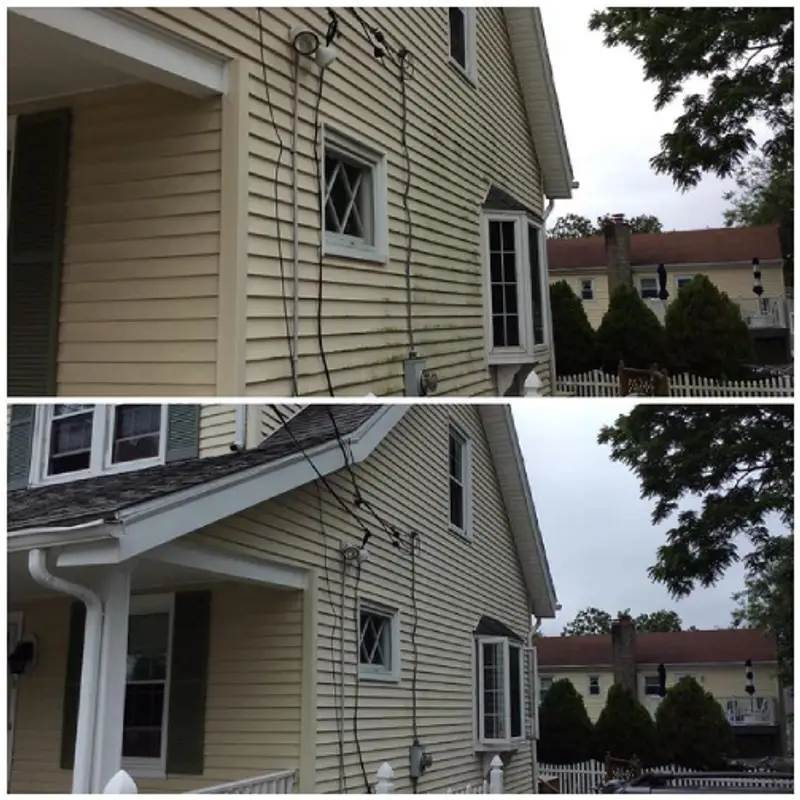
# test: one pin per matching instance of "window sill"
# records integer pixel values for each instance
(369, 255)
(379, 677)
(113, 469)
(512, 745)
(499, 358)
(465, 74)
(143, 770)
(462, 534)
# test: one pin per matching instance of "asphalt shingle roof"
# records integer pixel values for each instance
(80, 501)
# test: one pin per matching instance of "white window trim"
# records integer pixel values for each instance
(509, 743)
(596, 679)
(528, 347)
(100, 458)
(368, 672)
(153, 604)
(470, 72)
(466, 456)
(679, 278)
(338, 245)
(640, 283)
(590, 281)
(645, 680)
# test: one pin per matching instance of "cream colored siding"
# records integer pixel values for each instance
(594, 308)
(461, 138)
(580, 680)
(271, 420)
(252, 706)
(456, 583)
(217, 429)
(141, 260)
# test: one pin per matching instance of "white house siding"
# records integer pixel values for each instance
(461, 137)
(457, 583)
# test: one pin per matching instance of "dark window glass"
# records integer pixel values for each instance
(137, 432)
(594, 686)
(458, 36)
(347, 197)
(375, 644)
(587, 290)
(649, 289)
(503, 289)
(493, 691)
(70, 438)
(515, 690)
(536, 285)
(457, 481)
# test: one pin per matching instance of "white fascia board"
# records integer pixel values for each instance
(41, 537)
(160, 521)
(241, 567)
(137, 48)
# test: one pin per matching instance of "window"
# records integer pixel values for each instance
(501, 692)
(144, 740)
(76, 440)
(355, 203)
(463, 52)
(378, 642)
(516, 289)
(652, 687)
(681, 281)
(594, 685)
(587, 290)
(648, 288)
(460, 484)
(544, 684)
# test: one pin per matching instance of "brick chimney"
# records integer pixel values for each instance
(617, 234)
(623, 647)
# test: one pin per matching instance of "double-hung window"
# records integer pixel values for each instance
(652, 686)
(463, 50)
(648, 288)
(681, 281)
(515, 286)
(355, 216)
(75, 440)
(501, 692)
(587, 290)
(460, 484)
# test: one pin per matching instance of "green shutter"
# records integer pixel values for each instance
(72, 685)
(37, 216)
(20, 440)
(183, 432)
(188, 681)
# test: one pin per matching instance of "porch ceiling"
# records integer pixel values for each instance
(44, 63)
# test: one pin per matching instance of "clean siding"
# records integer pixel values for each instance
(253, 701)
(457, 583)
(461, 139)
(217, 429)
(139, 300)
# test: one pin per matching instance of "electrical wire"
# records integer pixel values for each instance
(367, 785)
(414, 649)
(406, 200)
(278, 221)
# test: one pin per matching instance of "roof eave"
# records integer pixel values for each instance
(529, 50)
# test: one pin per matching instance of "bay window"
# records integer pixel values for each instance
(501, 692)
(515, 284)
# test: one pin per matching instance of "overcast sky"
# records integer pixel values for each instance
(613, 130)
(597, 531)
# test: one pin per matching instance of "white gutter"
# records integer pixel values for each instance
(62, 536)
(90, 670)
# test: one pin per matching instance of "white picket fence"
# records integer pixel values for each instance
(385, 781)
(600, 384)
(586, 777)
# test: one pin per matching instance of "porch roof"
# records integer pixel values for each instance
(101, 498)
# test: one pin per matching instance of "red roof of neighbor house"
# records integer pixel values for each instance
(708, 246)
(680, 647)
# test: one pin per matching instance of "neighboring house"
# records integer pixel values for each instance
(262, 633)
(591, 265)
(164, 241)
(716, 659)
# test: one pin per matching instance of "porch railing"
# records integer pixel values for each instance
(756, 710)
(764, 312)
(271, 783)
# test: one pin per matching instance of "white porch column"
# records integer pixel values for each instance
(115, 590)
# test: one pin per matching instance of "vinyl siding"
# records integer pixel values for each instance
(735, 282)
(456, 583)
(217, 429)
(272, 419)
(460, 137)
(141, 260)
(253, 702)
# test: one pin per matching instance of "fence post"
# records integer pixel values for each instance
(385, 782)
(496, 776)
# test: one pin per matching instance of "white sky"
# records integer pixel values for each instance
(597, 530)
(613, 130)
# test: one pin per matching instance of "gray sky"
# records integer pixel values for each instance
(613, 130)
(597, 531)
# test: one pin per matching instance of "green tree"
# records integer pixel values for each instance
(625, 729)
(767, 601)
(747, 57)
(574, 226)
(629, 332)
(692, 729)
(594, 622)
(566, 735)
(705, 333)
(764, 195)
(738, 463)
(573, 336)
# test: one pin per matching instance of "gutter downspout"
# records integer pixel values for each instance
(547, 212)
(295, 232)
(92, 639)
(532, 688)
